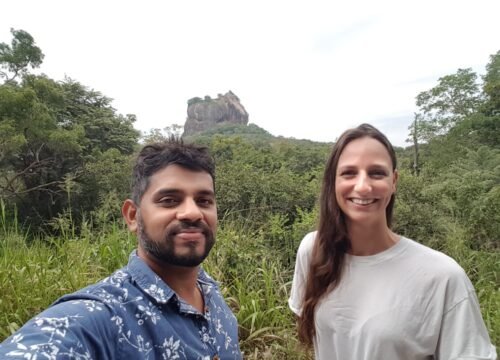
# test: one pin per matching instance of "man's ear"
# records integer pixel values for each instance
(129, 212)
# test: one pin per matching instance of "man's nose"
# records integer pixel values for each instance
(189, 210)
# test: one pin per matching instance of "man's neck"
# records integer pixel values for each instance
(181, 279)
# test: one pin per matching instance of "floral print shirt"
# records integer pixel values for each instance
(132, 314)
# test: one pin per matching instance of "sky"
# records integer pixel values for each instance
(303, 69)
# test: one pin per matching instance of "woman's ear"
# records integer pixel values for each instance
(395, 178)
(129, 212)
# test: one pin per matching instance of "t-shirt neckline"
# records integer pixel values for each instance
(382, 256)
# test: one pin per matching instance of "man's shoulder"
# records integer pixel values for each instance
(96, 311)
(92, 304)
(83, 311)
(107, 291)
(66, 327)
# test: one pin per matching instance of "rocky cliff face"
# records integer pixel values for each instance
(204, 114)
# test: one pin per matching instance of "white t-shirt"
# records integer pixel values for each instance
(408, 302)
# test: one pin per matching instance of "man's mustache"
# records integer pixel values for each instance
(188, 225)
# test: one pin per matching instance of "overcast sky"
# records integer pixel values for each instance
(303, 69)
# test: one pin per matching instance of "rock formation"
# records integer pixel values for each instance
(204, 114)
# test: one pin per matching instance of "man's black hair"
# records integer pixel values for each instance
(155, 157)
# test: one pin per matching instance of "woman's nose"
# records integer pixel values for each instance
(362, 184)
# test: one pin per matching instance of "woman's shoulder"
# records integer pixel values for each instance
(435, 262)
(307, 243)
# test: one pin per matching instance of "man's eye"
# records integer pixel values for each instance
(205, 202)
(168, 201)
(378, 174)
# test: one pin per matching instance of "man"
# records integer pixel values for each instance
(162, 305)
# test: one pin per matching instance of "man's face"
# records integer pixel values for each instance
(176, 219)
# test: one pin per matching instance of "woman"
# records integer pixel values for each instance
(363, 292)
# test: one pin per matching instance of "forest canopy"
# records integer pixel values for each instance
(66, 152)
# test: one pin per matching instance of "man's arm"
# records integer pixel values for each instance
(75, 329)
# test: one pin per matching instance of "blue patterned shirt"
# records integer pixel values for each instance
(132, 314)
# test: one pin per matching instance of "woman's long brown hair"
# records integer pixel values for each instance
(332, 241)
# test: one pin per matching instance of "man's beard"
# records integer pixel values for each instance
(164, 251)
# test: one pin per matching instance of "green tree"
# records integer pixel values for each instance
(159, 135)
(104, 128)
(456, 116)
(460, 179)
(50, 132)
(491, 86)
(488, 129)
(21, 54)
(455, 97)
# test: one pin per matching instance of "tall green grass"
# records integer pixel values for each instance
(253, 265)
(253, 280)
(483, 269)
(33, 275)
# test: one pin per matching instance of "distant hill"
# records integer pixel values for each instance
(205, 114)
(251, 133)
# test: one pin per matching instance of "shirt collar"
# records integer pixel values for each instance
(147, 280)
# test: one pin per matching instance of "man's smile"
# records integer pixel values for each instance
(191, 234)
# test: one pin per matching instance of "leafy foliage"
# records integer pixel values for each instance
(492, 86)
(52, 131)
(20, 55)
(454, 98)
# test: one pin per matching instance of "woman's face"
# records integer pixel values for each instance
(364, 181)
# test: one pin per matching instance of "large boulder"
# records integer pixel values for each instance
(204, 114)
